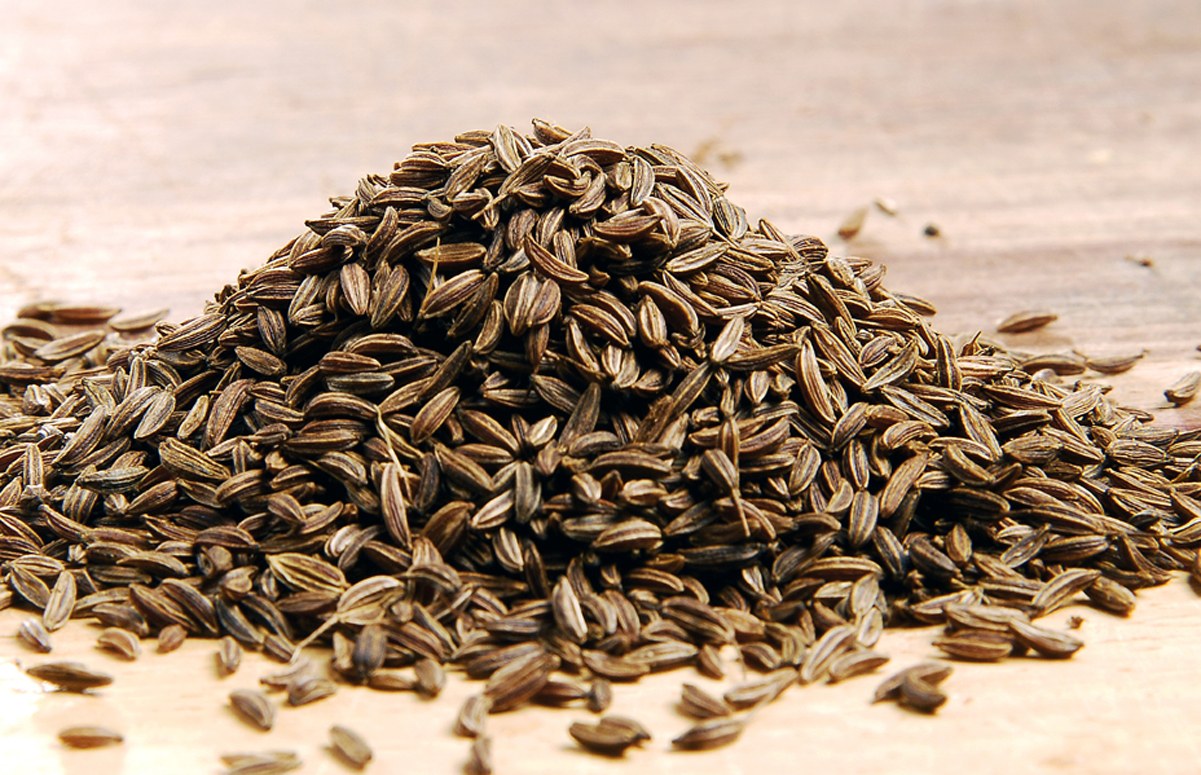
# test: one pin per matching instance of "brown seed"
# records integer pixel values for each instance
(229, 656)
(120, 642)
(698, 703)
(851, 226)
(1062, 587)
(1184, 389)
(711, 733)
(350, 746)
(921, 695)
(1049, 643)
(370, 651)
(473, 716)
(138, 321)
(1020, 322)
(89, 737)
(480, 760)
(34, 635)
(542, 394)
(431, 678)
(69, 346)
(854, 663)
(269, 763)
(978, 646)
(518, 681)
(608, 740)
(1114, 364)
(600, 695)
(304, 690)
(931, 673)
(60, 603)
(254, 707)
(829, 647)
(280, 679)
(69, 676)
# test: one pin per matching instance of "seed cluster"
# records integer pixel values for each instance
(543, 404)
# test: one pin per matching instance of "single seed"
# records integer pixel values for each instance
(70, 676)
(269, 763)
(171, 638)
(709, 734)
(309, 689)
(1020, 322)
(33, 634)
(229, 656)
(120, 642)
(350, 746)
(254, 707)
(89, 737)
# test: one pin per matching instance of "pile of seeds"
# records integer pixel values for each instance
(542, 404)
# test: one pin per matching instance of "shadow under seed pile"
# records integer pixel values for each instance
(545, 403)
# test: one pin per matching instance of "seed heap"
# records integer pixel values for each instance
(544, 403)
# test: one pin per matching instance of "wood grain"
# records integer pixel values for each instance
(151, 150)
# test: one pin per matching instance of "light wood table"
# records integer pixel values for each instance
(148, 151)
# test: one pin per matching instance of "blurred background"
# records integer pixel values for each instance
(150, 149)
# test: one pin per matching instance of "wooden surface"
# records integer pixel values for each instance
(149, 150)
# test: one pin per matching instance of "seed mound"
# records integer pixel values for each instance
(541, 401)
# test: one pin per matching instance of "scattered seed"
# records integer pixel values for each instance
(350, 746)
(229, 656)
(33, 634)
(1028, 320)
(89, 737)
(121, 642)
(70, 676)
(1184, 389)
(254, 707)
(711, 733)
